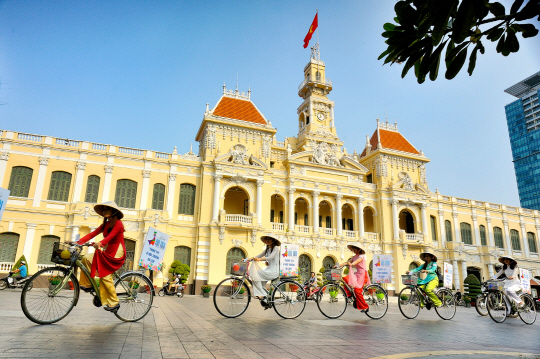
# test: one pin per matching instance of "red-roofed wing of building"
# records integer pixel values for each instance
(238, 109)
(390, 139)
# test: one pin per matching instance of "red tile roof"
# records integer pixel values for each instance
(239, 110)
(391, 140)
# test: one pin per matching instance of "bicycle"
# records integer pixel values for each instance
(497, 305)
(410, 299)
(333, 299)
(232, 295)
(56, 289)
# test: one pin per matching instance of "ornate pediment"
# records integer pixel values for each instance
(238, 155)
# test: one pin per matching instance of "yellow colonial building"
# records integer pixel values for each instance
(243, 183)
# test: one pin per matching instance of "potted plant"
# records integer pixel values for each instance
(206, 290)
(54, 281)
(240, 292)
(293, 287)
(403, 298)
(133, 284)
(467, 301)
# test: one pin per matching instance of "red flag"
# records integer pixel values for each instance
(312, 28)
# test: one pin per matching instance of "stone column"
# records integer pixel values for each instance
(490, 270)
(79, 179)
(90, 250)
(464, 271)
(423, 207)
(43, 162)
(29, 240)
(507, 236)
(477, 239)
(361, 232)
(491, 239)
(107, 183)
(315, 195)
(217, 190)
(525, 241)
(339, 214)
(457, 234)
(442, 227)
(170, 194)
(291, 209)
(4, 157)
(456, 274)
(537, 226)
(259, 202)
(395, 219)
(145, 188)
(74, 233)
(332, 122)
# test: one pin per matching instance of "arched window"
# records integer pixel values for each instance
(59, 188)
(46, 248)
(304, 264)
(234, 255)
(531, 239)
(514, 237)
(158, 198)
(187, 199)
(412, 266)
(498, 236)
(19, 183)
(183, 254)
(126, 193)
(466, 235)
(8, 247)
(328, 262)
(448, 230)
(92, 189)
(433, 229)
(483, 239)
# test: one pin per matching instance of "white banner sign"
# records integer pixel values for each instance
(382, 268)
(153, 251)
(4, 194)
(448, 275)
(288, 264)
(525, 277)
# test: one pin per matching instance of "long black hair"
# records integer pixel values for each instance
(111, 222)
(513, 265)
(433, 260)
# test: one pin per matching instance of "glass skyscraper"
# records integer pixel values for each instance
(523, 119)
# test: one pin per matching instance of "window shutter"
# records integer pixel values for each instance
(126, 193)
(19, 183)
(271, 215)
(183, 254)
(187, 199)
(306, 220)
(497, 234)
(233, 255)
(8, 247)
(466, 235)
(483, 239)
(92, 189)
(433, 229)
(46, 248)
(532, 242)
(448, 229)
(59, 188)
(158, 198)
(514, 236)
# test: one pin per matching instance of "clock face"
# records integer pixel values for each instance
(320, 116)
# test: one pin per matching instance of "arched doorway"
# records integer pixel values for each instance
(234, 255)
(347, 217)
(476, 271)
(412, 266)
(236, 201)
(304, 264)
(369, 223)
(406, 221)
(301, 212)
(130, 255)
(328, 262)
(276, 208)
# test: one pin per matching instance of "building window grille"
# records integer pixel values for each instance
(234, 255)
(433, 229)
(187, 199)
(46, 248)
(19, 183)
(158, 197)
(483, 239)
(448, 230)
(182, 254)
(126, 193)
(92, 189)
(514, 237)
(328, 262)
(59, 188)
(498, 236)
(531, 239)
(466, 235)
(8, 247)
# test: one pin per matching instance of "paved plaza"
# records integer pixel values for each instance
(190, 327)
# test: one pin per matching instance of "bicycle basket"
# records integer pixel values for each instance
(238, 269)
(64, 253)
(409, 279)
(495, 285)
(332, 275)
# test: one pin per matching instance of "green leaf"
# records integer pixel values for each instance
(456, 64)
(496, 8)
(425, 62)
(527, 30)
(410, 62)
(455, 50)
(406, 13)
(500, 44)
(384, 53)
(396, 19)
(463, 21)
(448, 50)
(480, 10)
(530, 10)
(389, 27)
(472, 60)
(481, 47)
(434, 69)
(390, 33)
(511, 43)
(441, 20)
(495, 34)
(515, 6)
(428, 17)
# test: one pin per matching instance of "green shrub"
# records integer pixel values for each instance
(471, 286)
(404, 297)
(178, 268)
(346, 271)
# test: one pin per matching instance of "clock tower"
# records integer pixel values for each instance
(316, 113)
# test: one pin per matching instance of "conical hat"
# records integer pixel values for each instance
(112, 204)
(430, 253)
(269, 236)
(350, 246)
(509, 257)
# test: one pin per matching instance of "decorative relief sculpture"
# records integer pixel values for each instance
(326, 155)
(4, 155)
(131, 226)
(323, 131)
(80, 165)
(44, 161)
(297, 170)
(475, 258)
(253, 237)
(404, 249)
(237, 243)
(381, 168)
(221, 234)
(422, 170)
(146, 174)
(355, 179)
(406, 181)
(266, 146)
(108, 168)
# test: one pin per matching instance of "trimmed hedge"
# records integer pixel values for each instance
(472, 286)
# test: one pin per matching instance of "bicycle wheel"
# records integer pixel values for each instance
(528, 312)
(332, 300)
(228, 300)
(480, 306)
(447, 309)
(409, 303)
(289, 302)
(377, 300)
(49, 301)
(496, 306)
(136, 294)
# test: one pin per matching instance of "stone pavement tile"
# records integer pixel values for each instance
(278, 356)
(224, 354)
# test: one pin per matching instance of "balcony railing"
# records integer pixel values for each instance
(5, 266)
(302, 229)
(349, 234)
(326, 231)
(238, 218)
(278, 227)
(317, 80)
(370, 236)
(414, 237)
(130, 151)
(29, 137)
(43, 266)
(67, 142)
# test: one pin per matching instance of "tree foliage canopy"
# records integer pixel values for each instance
(426, 27)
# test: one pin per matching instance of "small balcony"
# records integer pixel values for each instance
(302, 229)
(318, 80)
(279, 227)
(327, 231)
(6, 266)
(414, 237)
(349, 234)
(370, 236)
(238, 218)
